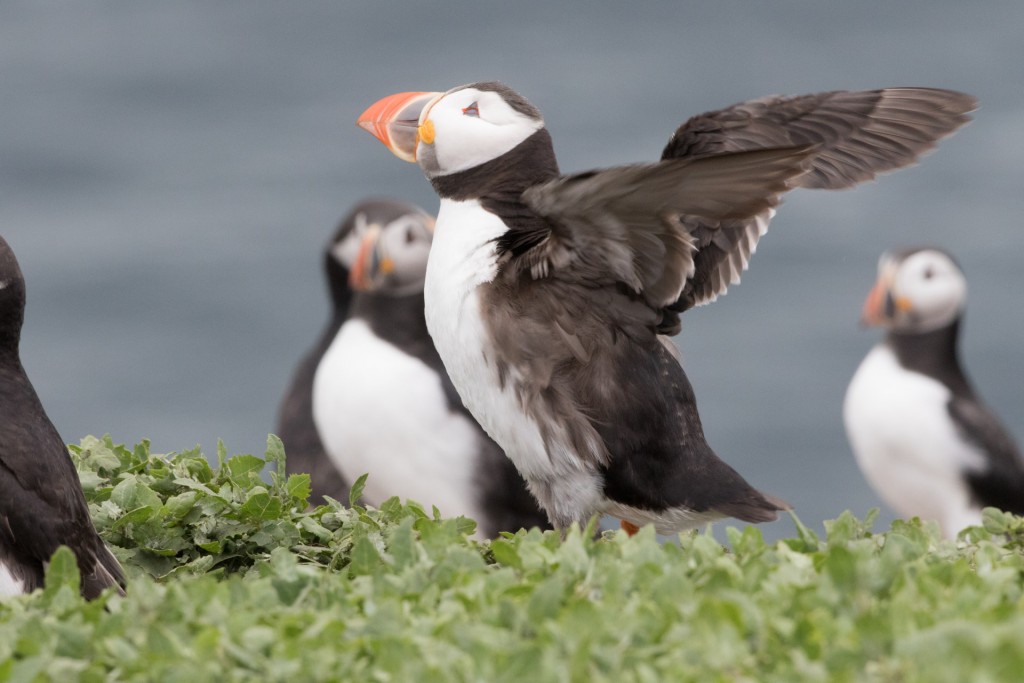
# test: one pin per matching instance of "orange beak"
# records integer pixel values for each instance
(365, 268)
(395, 121)
(881, 305)
(874, 311)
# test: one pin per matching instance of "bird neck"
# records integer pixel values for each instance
(934, 354)
(397, 319)
(337, 283)
(505, 178)
(11, 319)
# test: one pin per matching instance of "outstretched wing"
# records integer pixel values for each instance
(857, 135)
(623, 224)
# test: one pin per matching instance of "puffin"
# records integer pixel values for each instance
(551, 297)
(921, 435)
(382, 402)
(295, 425)
(42, 505)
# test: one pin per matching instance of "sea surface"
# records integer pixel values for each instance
(169, 173)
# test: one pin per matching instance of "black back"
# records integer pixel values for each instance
(41, 501)
(295, 425)
(934, 354)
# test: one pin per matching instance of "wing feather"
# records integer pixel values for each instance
(627, 224)
(857, 136)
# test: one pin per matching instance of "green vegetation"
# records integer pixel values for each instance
(235, 579)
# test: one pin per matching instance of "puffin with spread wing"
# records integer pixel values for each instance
(549, 296)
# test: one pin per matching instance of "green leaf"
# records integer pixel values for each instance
(356, 492)
(132, 494)
(245, 468)
(62, 571)
(275, 454)
(260, 505)
(180, 505)
(365, 558)
(298, 487)
(505, 553)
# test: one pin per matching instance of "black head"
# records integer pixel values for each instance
(12, 299)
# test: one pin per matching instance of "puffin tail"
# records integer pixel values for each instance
(106, 572)
(756, 508)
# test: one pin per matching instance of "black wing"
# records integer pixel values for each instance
(297, 430)
(41, 501)
(1001, 483)
(856, 135)
(623, 224)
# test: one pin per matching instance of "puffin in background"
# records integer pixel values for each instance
(549, 296)
(381, 400)
(41, 501)
(923, 438)
(295, 424)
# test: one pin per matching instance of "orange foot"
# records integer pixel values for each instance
(629, 527)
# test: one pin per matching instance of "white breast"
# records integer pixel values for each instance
(382, 412)
(9, 584)
(462, 259)
(907, 445)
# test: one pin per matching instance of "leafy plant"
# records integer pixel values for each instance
(167, 514)
(394, 594)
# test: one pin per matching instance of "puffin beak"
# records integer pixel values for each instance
(395, 121)
(368, 262)
(881, 305)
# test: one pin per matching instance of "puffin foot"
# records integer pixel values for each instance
(629, 527)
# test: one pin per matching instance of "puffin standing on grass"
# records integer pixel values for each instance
(41, 501)
(381, 400)
(295, 423)
(550, 296)
(923, 438)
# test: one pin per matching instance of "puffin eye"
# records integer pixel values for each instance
(409, 236)
(928, 273)
(471, 110)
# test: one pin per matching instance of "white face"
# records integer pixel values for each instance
(405, 244)
(934, 290)
(470, 127)
(394, 254)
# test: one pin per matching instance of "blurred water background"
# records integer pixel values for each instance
(170, 171)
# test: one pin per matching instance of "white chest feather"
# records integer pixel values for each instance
(907, 445)
(9, 584)
(462, 258)
(382, 412)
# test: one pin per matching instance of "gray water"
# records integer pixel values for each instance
(169, 172)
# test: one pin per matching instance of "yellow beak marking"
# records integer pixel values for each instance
(426, 132)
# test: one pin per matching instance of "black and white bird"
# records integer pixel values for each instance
(923, 438)
(381, 400)
(41, 501)
(549, 296)
(295, 423)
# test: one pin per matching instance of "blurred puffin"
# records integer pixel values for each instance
(41, 501)
(923, 438)
(382, 402)
(549, 295)
(295, 423)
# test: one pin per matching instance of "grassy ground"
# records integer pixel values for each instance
(235, 579)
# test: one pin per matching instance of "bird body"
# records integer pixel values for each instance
(921, 435)
(382, 402)
(911, 453)
(549, 295)
(42, 505)
(412, 444)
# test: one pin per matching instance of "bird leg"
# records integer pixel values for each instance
(629, 527)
